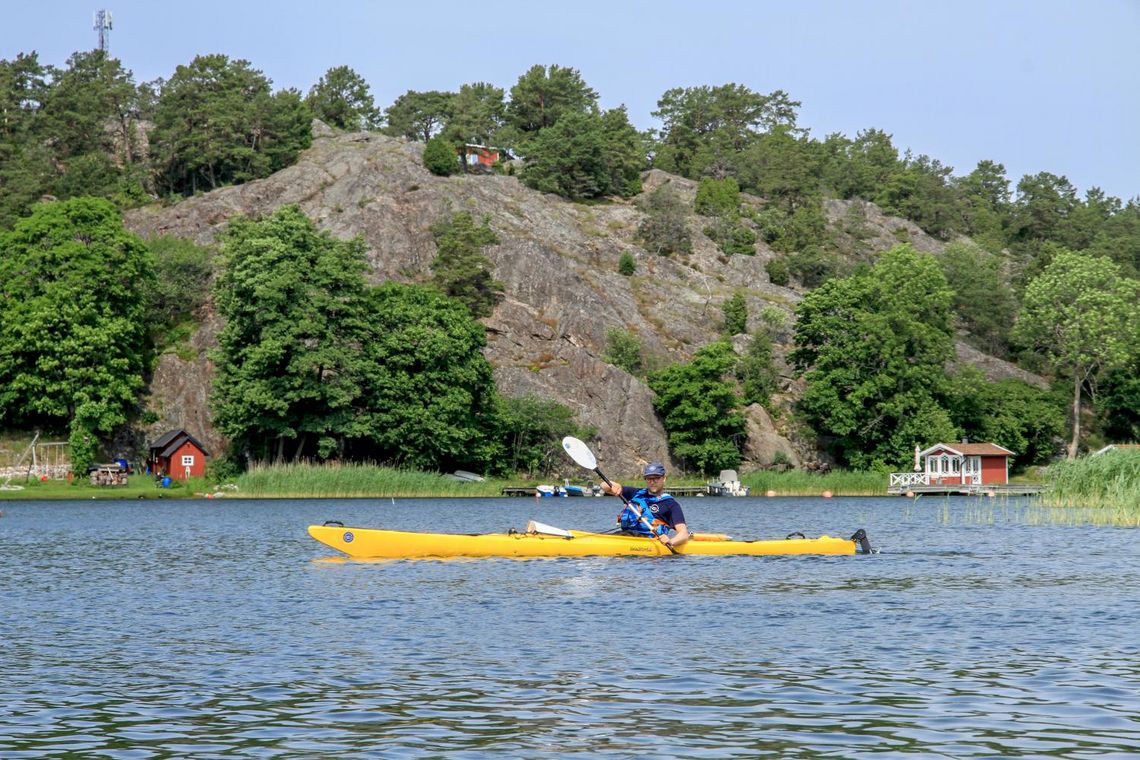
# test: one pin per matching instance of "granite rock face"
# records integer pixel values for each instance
(558, 262)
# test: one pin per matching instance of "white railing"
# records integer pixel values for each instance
(903, 479)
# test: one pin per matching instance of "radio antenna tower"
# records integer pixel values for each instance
(103, 26)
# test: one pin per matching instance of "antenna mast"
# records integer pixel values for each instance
(103, 26)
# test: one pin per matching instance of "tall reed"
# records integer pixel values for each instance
(803, 483)
(1104, 488)
(332, 481)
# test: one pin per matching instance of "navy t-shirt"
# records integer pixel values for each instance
(667, 511)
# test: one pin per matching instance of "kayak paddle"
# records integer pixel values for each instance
(583, 457)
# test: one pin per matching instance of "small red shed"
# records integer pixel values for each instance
(179, 455)
(965, 463)
(479, 156)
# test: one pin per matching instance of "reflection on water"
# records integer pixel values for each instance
(220, 628)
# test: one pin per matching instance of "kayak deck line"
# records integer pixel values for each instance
(376, 543)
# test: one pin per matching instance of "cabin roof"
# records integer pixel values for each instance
(169, 442)
(970, 449)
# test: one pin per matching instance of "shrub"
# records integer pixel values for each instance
(626, 264)
(778, 271)
(440, 157)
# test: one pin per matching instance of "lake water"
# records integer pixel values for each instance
(219, 628)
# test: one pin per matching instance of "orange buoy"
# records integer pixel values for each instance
(769, 493)
(827, 494)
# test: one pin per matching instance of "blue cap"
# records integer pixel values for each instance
(654, 468)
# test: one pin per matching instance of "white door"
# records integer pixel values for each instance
(972, 470)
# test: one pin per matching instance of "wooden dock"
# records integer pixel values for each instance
(679, 491)
(950, 489)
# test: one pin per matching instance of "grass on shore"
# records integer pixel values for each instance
(312, 481)
(138, 487)
(803, 483)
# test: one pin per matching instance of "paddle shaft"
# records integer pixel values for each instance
(641, 517)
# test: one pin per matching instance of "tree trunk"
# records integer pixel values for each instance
(1076, 414)
(300, 446)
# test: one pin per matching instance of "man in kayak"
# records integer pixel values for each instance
(660, 510)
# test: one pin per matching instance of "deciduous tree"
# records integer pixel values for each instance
(1083, 316)
(699, 407)
(288, 358)
(872, 348)
(73, 345)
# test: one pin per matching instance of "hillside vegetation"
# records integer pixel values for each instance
(296, 277)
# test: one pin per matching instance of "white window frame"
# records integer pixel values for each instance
(187, 460)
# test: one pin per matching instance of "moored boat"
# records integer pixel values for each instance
(543, 541)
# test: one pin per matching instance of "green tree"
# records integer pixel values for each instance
(859, 168)
(623, 350)
(93, 93)
(783, 167)
(872, 348)
(531, 429)
(1043, 202)
(731, 236)
(440, 157)
(1010, 413)
(920, 190)
(341, 98)
(983, 301)
(429, 393)
(288, 358)
(717, 197)
(665, 228)
(985, 200)
(735, 311)
(217, 122)
(418, 116)
(461, 270)
(700, 409)
(543, 95)
(704, 129)
(584, 155)
(1082, 315)
(27, 167)
(1118, 402)
(476, 114)
(73, 345)
(756, 371)
(183, 274)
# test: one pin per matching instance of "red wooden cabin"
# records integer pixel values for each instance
(965, 463)
(177, 454)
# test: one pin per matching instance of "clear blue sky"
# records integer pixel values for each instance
(1037, 85)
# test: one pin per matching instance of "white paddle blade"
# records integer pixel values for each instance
(579, 452)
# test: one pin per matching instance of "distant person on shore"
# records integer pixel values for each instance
(660, 510)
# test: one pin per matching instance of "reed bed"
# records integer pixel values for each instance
(1102, 490)
(802, 483)
(346, 481)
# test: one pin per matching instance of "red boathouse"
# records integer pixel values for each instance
(179, 455)
(979, 464)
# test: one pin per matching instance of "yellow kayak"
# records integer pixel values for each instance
(372, 543)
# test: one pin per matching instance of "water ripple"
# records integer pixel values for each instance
(219, 630)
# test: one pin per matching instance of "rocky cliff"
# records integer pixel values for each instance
(558, 262)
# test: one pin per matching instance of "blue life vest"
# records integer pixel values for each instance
(641, 504)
